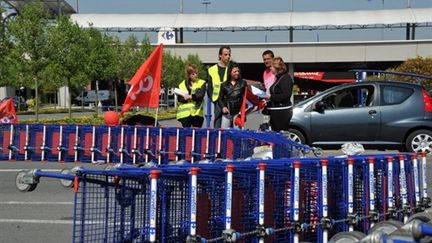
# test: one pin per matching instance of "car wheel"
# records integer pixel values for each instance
(297, 136)
(420, 140)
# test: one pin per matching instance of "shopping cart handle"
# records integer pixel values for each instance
(77, 147)
(45, 148)
(26, 147)
(61, 148)
(148, 152)
(123, 151)
(13, 148)
(95, 149)
(136, 151)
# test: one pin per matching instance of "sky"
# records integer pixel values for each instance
(254, 6)
(235, 6)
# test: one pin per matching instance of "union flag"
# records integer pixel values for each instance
(7, 112)
(145, 84)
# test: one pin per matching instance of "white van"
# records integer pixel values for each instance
(89, 97)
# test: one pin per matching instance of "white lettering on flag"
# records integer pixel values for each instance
(148, 80)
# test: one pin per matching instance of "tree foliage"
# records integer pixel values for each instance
(69, 56)
(45, 55)
(418, 65)
(29, 55)
(4, 48)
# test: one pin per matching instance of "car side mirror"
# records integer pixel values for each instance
(320, 106)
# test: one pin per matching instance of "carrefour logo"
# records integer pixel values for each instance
(168, 35)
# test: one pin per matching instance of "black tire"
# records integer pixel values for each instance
(297, 136)
(419, 140)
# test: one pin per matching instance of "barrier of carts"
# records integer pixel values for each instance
(136, 144)
(272, 200)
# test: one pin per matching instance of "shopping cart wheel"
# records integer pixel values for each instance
(410, 231)
(387, 227)
(64, 182)
(21, 183)
(423, 216)
(347, 237)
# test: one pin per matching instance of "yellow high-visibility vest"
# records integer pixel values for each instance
(190, 108)
(216, 80)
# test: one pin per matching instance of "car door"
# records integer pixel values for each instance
(348, 114)
(401, 109)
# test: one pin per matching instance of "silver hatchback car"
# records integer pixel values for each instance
(377, 114)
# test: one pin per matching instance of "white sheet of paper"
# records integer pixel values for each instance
(258, 92)
(180, 92)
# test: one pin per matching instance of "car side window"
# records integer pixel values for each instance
(392, 95)
(352, 97)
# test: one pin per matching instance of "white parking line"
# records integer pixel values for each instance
(17, 170)
(36, 221)
(56, 221)
(34, 203)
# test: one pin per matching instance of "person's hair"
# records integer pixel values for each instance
(267, 52)
(279, 65)
(222, 48)
(230, 67)
(190, 68)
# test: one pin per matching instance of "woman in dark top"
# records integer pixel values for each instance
(231, 95)
(279, 104)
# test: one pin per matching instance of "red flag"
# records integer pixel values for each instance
(145, 84)
(241, 118)
(7, 112)
(250, 104)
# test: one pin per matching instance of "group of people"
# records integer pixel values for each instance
(227, 91)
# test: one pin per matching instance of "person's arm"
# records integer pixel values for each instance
(222, 101)
(180, 98)
(199, 94)
(209, 86)
(286, 87)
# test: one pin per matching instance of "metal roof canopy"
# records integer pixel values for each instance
(391, 18)
(55, 7)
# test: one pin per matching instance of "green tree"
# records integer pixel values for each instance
(28, 57)
(417, 65)
(3, 48)
(173, 70)
(194, 59)
(68, 56)
(126, 60)
(100, 57)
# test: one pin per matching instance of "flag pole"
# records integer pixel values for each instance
(156, 119)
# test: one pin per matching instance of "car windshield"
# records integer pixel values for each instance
(304, 101)
(313, 97)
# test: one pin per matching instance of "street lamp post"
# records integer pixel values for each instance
(206, 3)
(291, 28)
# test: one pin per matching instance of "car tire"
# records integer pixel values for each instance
(297, 136)
(419, 140)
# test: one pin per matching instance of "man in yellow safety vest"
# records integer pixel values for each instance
(218, 74)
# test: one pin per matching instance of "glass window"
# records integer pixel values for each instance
(393, 95)
(359, 96)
